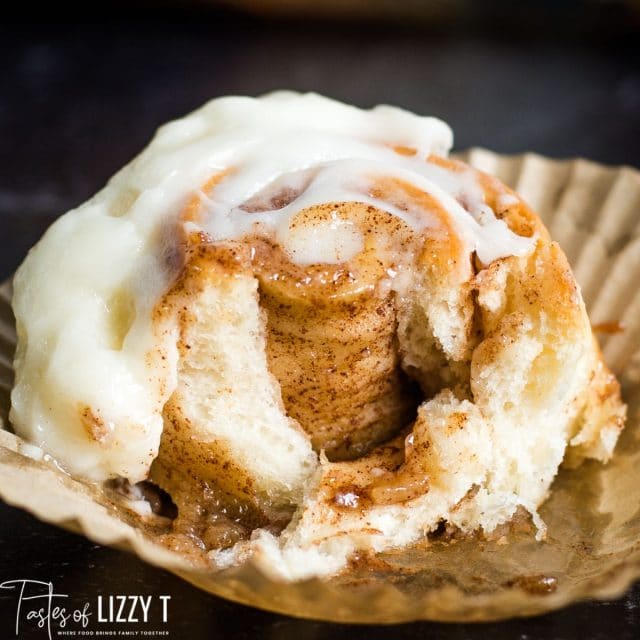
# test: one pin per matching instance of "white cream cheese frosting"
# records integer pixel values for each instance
(94, 369)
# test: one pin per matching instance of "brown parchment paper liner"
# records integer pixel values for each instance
(593, 515)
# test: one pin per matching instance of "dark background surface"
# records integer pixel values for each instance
(79, 100)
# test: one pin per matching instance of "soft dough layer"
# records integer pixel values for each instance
(225, 422)
(293, 314)
(521, 389)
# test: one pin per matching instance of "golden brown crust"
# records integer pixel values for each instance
(517, 214)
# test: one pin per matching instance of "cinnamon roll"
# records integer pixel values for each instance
(315, 332)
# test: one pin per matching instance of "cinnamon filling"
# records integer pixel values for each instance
(332, 345)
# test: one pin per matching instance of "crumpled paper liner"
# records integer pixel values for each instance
(593, 515)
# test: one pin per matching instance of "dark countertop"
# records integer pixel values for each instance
(78, 101)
